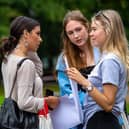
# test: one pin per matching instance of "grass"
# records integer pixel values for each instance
(1, 94)
(1, 99)
(127, 105)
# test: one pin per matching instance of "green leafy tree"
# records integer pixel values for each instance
(50, 14)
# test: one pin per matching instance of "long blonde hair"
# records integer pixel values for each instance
(71, 51)
(116, 38)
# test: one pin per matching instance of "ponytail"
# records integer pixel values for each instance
(7, 45)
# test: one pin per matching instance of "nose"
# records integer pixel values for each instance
(41, 40)
(91, 34)
(75, 34)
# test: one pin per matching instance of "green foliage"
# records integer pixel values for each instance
(50, 10)
(6, 14)
(50, 14)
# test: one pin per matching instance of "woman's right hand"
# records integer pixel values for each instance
(74, 74)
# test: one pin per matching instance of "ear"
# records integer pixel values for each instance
(25, 33)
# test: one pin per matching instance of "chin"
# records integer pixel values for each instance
(81, 44)
(95, 44)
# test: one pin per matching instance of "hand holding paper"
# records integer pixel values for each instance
(69, 113)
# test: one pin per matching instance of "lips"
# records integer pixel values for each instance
(79, 41)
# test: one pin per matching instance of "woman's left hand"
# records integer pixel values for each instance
(52, 101)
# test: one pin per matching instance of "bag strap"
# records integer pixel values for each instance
(18, 66)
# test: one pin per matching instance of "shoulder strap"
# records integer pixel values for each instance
(18, 66)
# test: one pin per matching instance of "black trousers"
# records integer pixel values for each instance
(103, 120)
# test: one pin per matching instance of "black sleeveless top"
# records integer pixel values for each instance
(85, 72)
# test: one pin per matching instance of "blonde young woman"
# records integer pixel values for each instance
(107, 83)
(78, 51)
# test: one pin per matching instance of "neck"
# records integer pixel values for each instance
(84, 48)
(86, 55)
(20, 50)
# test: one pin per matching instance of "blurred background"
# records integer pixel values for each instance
(50, 14)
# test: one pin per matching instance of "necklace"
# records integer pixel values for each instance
(82, 55)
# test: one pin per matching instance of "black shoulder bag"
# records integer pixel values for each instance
(11, 117)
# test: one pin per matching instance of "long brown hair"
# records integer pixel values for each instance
(71, 51)
(18, 25)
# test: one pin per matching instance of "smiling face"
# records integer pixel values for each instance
(97, 34)
(76, 32)
(34, 39)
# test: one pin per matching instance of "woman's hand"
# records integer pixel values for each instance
(74, 74)
(52, 101)
(105, 99)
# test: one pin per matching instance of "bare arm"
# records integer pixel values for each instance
(105, 100)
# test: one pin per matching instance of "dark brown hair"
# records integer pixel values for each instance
(18, 25)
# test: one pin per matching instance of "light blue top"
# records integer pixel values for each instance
(63, 80)
(111, 70)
